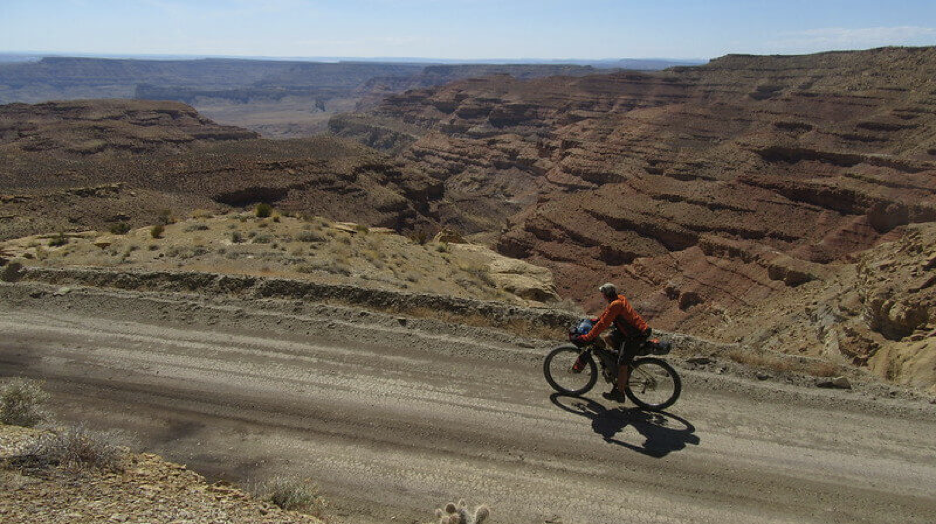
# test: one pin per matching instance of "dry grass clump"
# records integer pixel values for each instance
(157, 231)
(263, 210)
(58, 240)
(120, 228)
(783, 364)
(21, 403)
(165, 217)
(459, 514)
(326, 266)
(310, 237)
(294, 495)
(197, 226)
(77, 449)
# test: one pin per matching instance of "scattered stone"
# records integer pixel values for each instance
(835, 383)
(699, 360)
(762, 376)
(104, 241)
(930, 262)
(62, 291)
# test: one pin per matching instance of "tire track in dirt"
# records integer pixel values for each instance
(397, 428)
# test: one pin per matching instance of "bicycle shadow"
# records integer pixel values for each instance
(664, 432)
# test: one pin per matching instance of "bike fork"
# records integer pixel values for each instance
(580, 362)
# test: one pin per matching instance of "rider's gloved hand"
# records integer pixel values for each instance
(579, 340)
(646, 333)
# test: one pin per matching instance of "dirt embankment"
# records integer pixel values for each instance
(145, 489)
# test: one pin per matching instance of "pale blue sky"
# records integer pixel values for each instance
(591, 29)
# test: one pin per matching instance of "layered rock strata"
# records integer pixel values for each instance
(701, 190)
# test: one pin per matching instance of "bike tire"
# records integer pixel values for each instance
(659, 369)
(564, 351)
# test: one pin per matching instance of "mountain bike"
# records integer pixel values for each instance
(653, 385)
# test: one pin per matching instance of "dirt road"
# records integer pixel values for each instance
(395, 417)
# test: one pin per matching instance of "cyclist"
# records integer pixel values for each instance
(629, 333)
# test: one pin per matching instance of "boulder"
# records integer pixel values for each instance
(12, 272)
(104, 242)
(835, 383)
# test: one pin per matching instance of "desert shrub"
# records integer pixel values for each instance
(120, 228)
(21, 403)
(58, 240)
(361, 228)
(459, 514)
(276, 218)
(78, 449)
(443, 247)
(202, 213)
(157, 231)
(372, 255)
(420, 237)
(196, 227)
(262, 239)
(294, 495)
(236, 237)
(325, 266)
(480, 273)
(165, 217)
(153, 247)
(824, 369)
(263, 210)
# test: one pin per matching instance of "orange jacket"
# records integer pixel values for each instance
(623, 315)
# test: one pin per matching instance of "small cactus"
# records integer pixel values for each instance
(459, 514)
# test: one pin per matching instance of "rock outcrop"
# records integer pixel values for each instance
(702, 190)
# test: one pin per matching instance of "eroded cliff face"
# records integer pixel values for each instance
(91, 164)
(704, 191)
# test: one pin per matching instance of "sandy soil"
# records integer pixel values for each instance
(397, 418)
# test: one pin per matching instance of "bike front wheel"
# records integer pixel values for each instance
(565, 376)
(653, 385)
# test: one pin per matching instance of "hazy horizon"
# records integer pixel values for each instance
(459, 30)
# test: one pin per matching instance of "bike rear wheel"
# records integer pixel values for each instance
(559, 371)
(653, 385)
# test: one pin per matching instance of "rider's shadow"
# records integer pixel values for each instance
(664, 433)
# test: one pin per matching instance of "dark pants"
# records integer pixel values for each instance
(627, 347)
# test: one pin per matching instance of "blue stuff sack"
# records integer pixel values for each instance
(584, 327)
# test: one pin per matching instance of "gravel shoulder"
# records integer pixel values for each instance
(394, 417)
